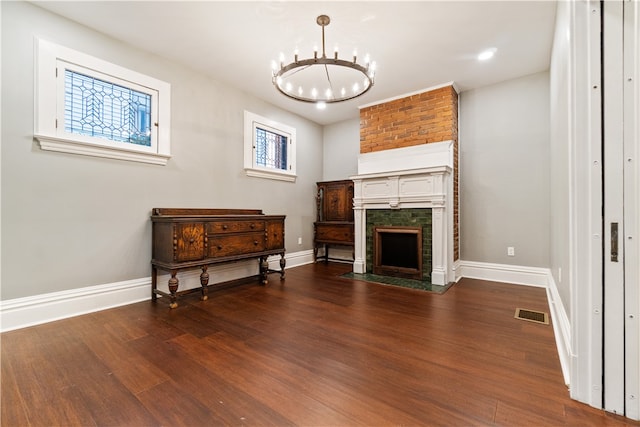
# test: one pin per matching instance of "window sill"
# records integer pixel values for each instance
(262, 173)
(64, 145)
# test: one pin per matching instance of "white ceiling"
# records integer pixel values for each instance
(416, 44)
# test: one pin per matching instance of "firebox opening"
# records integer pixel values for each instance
(398, 252)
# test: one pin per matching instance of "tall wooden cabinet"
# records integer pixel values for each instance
(334, 224)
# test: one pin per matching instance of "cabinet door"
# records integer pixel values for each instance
(188, 242)
(337, 204)
(275, 235)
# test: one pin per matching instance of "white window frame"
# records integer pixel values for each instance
(51, 62)
(253, 121)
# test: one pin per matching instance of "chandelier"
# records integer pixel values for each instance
(321, 79)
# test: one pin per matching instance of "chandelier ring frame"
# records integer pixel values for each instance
(279, 75)
(322, 61)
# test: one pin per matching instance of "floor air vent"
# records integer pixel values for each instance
(532, 316)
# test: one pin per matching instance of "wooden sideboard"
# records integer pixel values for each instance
(334, 225)
(190, 238)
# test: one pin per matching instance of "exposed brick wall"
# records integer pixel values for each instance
(423, 118)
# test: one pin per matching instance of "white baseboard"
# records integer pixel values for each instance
(29, 311)
(561, 328)
(517, 274)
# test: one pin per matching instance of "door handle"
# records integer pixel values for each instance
(614, 242)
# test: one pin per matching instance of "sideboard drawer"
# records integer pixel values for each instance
(218, 227)
(223, 245)
(332, 232)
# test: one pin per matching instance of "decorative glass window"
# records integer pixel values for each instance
(269, 148)
(88, 106)
(102, 109)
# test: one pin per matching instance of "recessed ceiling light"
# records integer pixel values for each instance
(487, 54)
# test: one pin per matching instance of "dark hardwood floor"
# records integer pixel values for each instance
(314, 350)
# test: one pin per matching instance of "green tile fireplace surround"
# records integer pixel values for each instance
(412, 217)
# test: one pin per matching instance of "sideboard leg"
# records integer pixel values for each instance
(173, 288)
(283, 263)
(264, 270)
(154, 283)
(204, 281)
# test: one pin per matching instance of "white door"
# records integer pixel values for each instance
(631, 196)
(620, 181)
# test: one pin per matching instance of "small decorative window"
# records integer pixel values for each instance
(94, 107)
(269, 148)
(88, 106)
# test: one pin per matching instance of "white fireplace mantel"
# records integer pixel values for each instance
(402, 178)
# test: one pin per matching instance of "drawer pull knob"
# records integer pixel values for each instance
(191, 240)
(224, 226)
(255, 242)
(219, 247)
(252, 226)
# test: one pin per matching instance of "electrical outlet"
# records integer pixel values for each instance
(299, 240)
(511, 251)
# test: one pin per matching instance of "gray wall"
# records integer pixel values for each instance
(72, 221)
(341, 150)
(504, 172)
(560, 115)
(561, 110)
